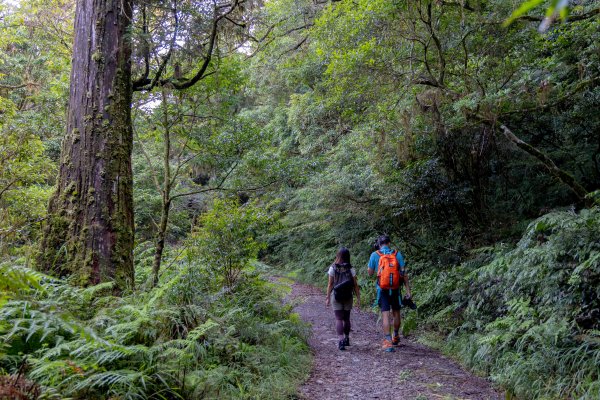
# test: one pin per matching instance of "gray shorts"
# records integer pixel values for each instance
(337, 306)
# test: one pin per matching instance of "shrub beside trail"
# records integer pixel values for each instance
(529, 315)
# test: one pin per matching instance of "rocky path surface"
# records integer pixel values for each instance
(363, 371)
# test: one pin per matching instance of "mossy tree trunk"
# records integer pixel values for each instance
(90, 231)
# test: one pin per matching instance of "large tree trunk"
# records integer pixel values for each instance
(90, 231)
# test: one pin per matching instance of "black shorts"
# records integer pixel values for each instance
(389, 299)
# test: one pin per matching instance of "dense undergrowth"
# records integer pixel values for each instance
(198, 334)
(182, 339)
(528, 315)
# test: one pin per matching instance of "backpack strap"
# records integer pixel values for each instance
(380, 266)
(400, 269)
(336, 273)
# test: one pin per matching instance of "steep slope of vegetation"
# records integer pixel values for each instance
(526, 315)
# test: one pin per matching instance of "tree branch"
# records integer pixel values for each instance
(241, 25)
(562, 176)
(213, 38)
(438, 46)
(141, 84)
(12, 87)
(7, 187)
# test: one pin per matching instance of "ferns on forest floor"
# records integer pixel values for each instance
(182, 339)
(528, 317)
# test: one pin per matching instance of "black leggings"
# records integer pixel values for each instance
(342, 322)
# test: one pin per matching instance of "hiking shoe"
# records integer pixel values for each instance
(387, 346)
(346, 341)
(341, 345)
(396, 341)
(408, 302)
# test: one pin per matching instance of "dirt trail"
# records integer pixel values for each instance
(363, 371)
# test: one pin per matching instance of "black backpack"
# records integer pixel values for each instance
(343, 282)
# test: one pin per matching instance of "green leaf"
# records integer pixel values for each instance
(522, 10)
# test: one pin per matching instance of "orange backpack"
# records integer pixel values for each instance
(389, 275)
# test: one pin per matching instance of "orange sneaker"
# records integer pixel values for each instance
(396, 341)
(387, 346)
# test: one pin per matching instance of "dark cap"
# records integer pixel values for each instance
(383, 240)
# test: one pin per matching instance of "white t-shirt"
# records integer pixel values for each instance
(331, 271)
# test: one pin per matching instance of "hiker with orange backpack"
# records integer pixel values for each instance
(391, 275)
(341, 285)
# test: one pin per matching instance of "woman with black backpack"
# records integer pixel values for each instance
(342, 283)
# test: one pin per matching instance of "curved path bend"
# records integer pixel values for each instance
(363, 371)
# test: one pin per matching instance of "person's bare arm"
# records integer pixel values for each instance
(407, 285)
(329, 289)
(357, 291)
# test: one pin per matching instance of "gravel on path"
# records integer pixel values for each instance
(364, 371)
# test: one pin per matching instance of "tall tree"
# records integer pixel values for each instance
(90, 230)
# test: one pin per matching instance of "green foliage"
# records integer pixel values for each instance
(225, 238)
(358, 118)
(24, 193)
(527, 316)
(182, 339)
(389, 108)
(212, 145)
(34, 68)
(555, 8)
(15, 279)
